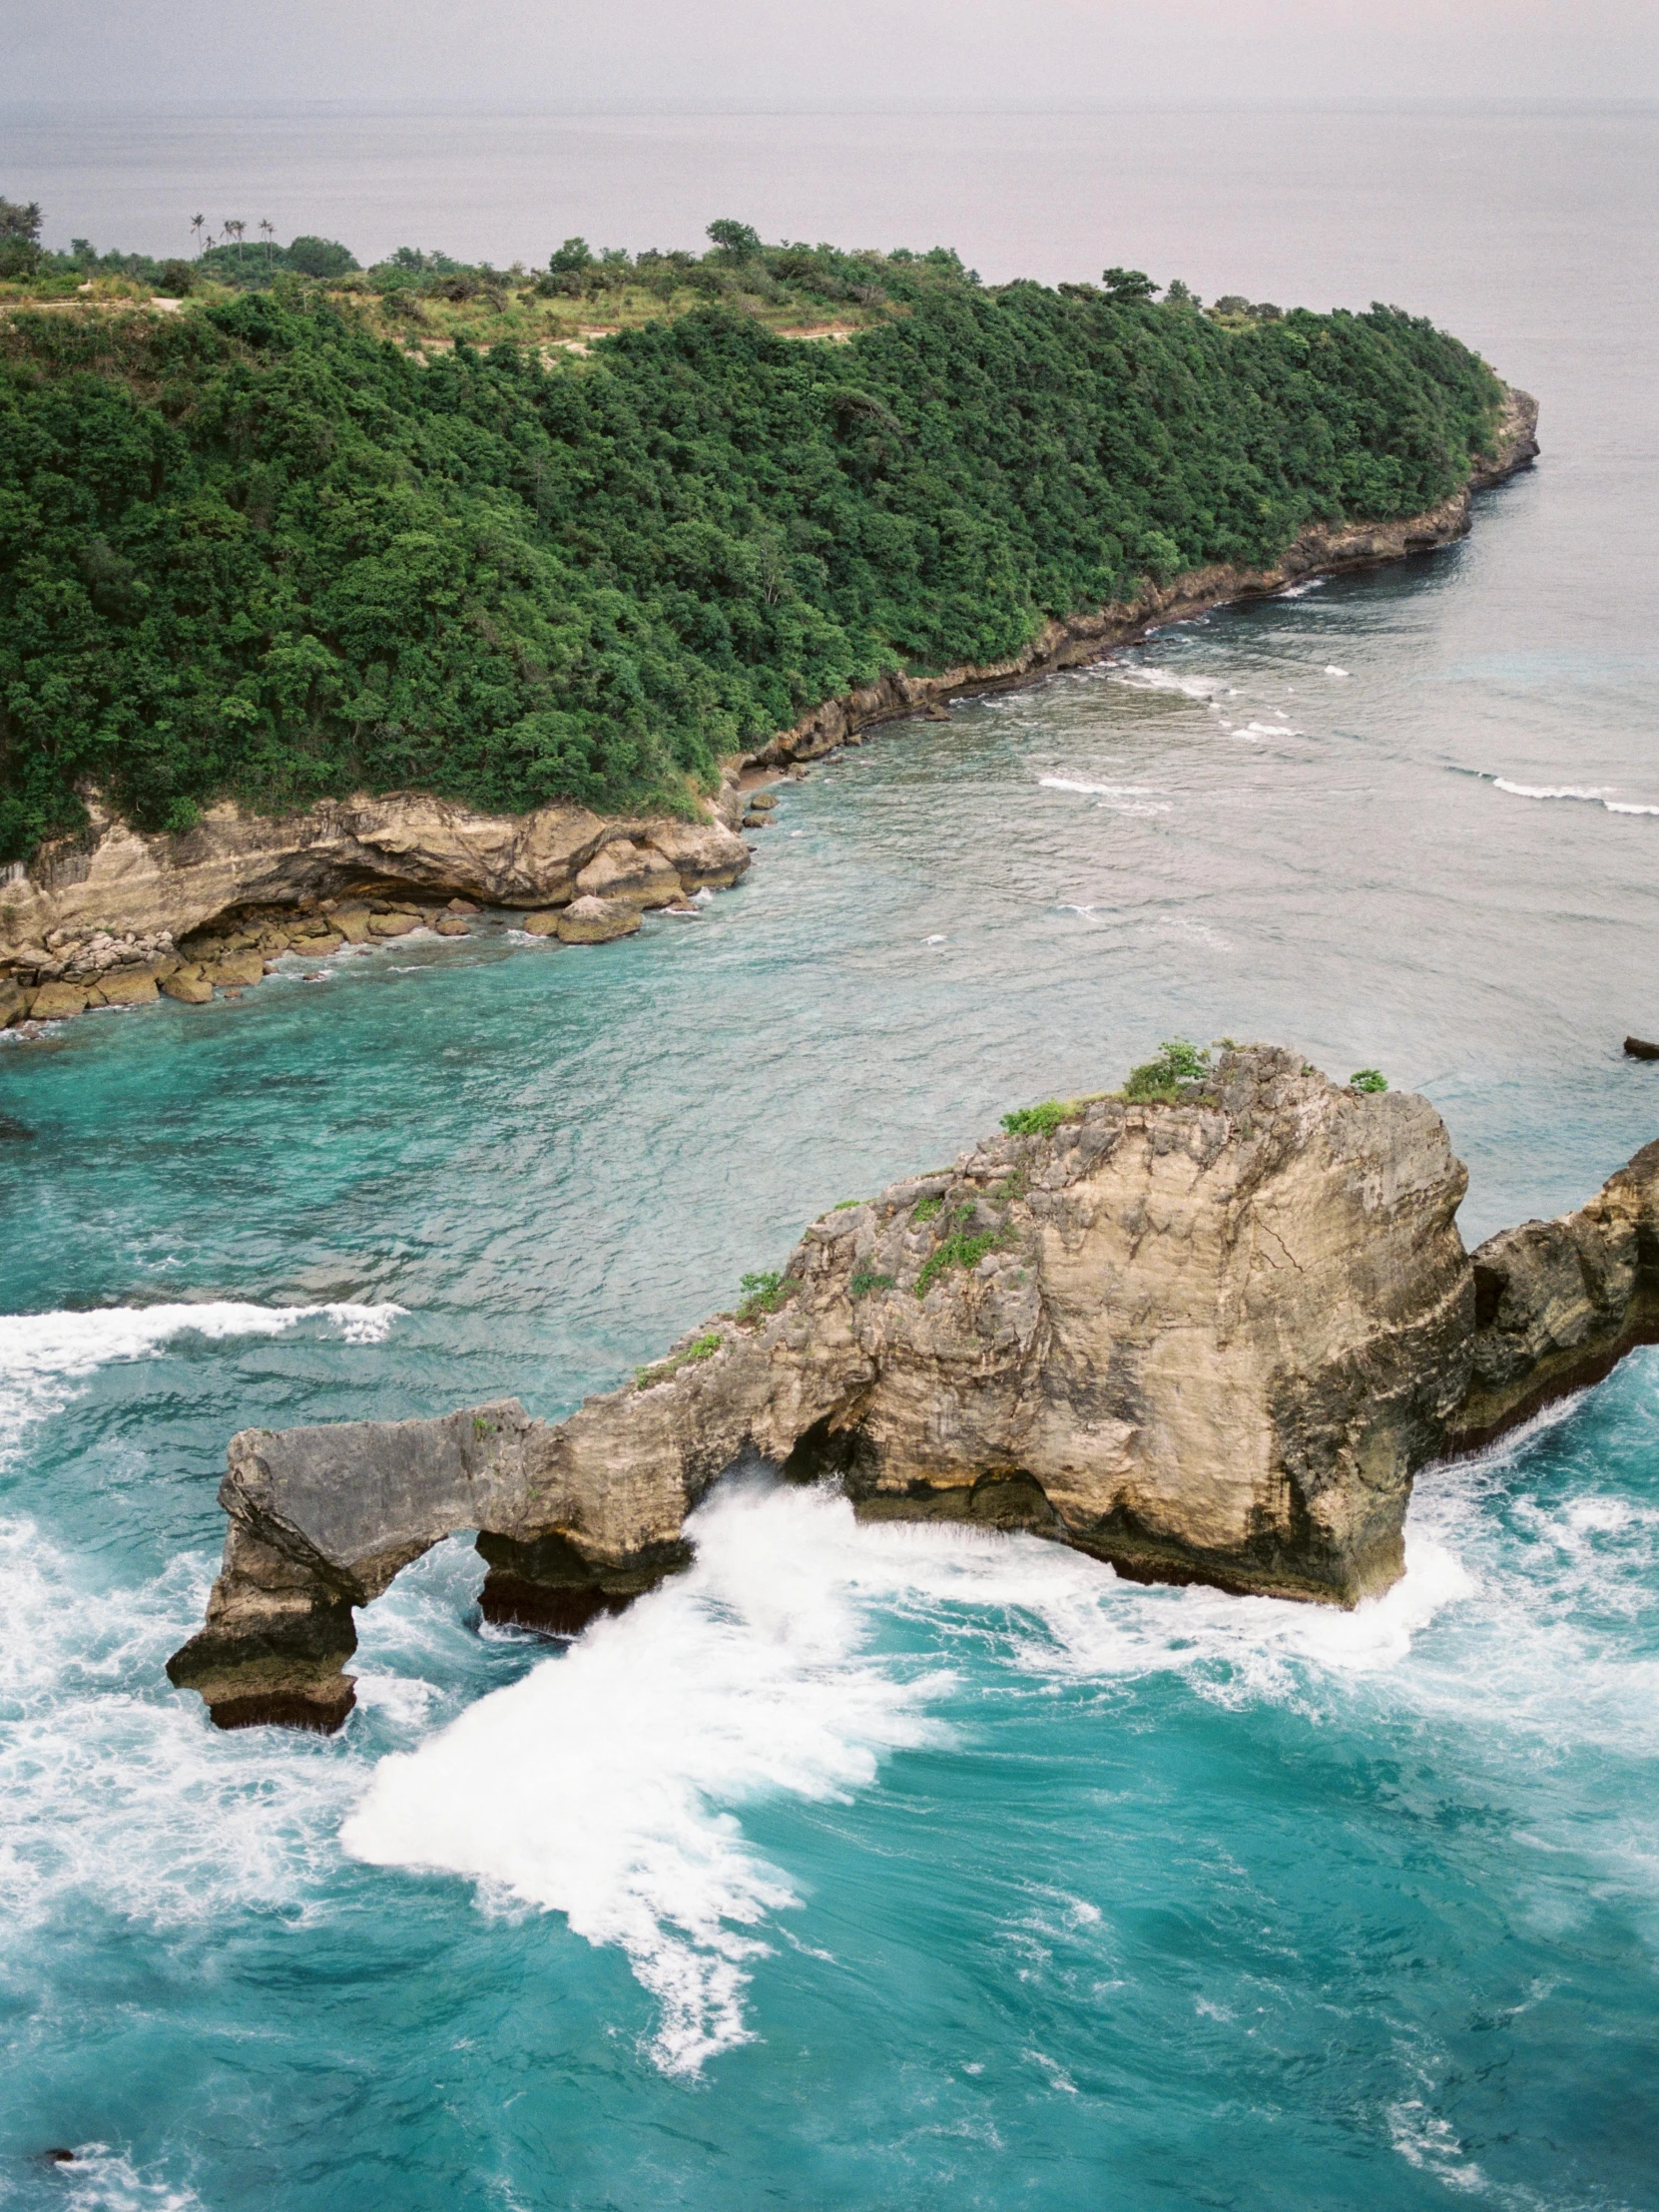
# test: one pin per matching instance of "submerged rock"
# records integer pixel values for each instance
(1207, 1339)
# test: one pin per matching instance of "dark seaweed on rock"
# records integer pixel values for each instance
(256, 550)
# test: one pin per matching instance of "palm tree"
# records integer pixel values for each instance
(233, 229)
(195, 223)
(269, 230)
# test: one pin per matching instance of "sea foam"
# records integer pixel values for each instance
(1126, 798)
(43, 1356)
(607, 1785)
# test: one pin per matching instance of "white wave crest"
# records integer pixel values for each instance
(44, 1356)
(1551, 791)
(1125, 799)
(114, 1790)
(102, 2179)
(603, 1786)
(1598, 795)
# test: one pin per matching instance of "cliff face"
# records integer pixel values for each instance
(118, 880)
(112, 882)
(1203, 1339)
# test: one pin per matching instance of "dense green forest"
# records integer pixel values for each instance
(263, 547)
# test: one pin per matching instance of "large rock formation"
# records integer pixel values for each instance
(1557, 1304)
(1205, 1337)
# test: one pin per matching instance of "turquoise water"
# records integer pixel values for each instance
(877, 1867)
(859, 1868)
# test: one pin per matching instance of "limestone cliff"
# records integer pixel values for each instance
(1207, 1337)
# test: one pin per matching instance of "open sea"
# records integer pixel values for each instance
(880, 1869)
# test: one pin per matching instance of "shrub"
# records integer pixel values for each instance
(1043, 1120)
(926, 1208)
(763, 1293)
(866, 1280)
(1368, 1079)
(703, 1348)
(957, 1252)
(1178, 1062)
(323, 257)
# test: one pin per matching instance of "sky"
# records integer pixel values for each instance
(782, 55)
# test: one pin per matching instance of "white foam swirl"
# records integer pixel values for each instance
(603, 1786)
(44, 1356)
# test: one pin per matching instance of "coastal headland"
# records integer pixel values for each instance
(1206, 1327)
(115, 916)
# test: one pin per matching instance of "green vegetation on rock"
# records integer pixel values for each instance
(764, 1294)
(1368, 1079)
(1178, 1062)
(282, 543)
(703, 1348)
(958, 1251)
(1043, 1120)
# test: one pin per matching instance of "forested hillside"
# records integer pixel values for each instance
(257, 547)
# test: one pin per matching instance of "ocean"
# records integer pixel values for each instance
(880, 1868)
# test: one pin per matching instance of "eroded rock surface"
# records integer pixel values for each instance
(1559, 1302)
(100, 919)
(1209, 1338)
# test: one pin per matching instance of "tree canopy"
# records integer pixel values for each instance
(259, 548)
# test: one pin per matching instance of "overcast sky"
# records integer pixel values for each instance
(783, 54)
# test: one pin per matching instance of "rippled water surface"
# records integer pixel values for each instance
(872, 1867)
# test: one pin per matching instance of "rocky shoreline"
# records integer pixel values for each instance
(114, 917)
(1204, 1335)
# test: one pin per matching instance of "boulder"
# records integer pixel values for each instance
(544, 925)
(1557, 1304)
(129, 988)
(190, 987)
(352, 923)
(14, 1000)
(236, 969)
(392, 925)
(57, 1002)
(701, 853)
(452, 925)
(637, 874)
(590, 920)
